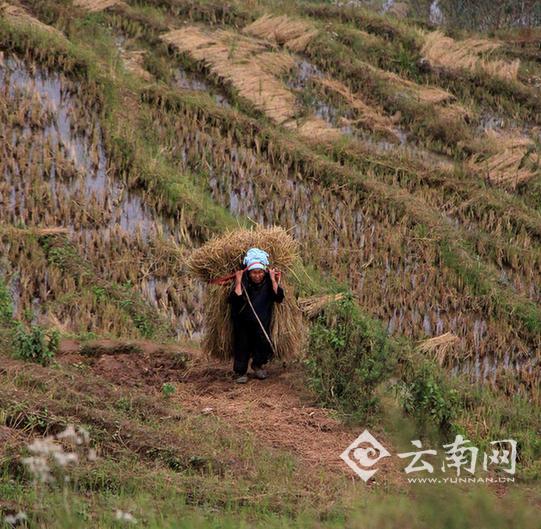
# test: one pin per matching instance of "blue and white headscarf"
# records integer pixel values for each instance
(256, 259)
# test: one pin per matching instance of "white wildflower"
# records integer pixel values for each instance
(65, 458)
(38, 466)
(14, 519)
(44, 446)
(70, 434)
(50, 453)
(84, 434)
(125, 516)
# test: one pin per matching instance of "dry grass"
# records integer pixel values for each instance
(133, 62)
(315, 129)
(294, 35)
(399, 9)
(445, 52)
(313, 305)
(367, 117)
(18, 15)
(429, 95)
(453, 112)
(254, 71)
(438, 346)
(507, 161)
(223, 255)
(245, 63)
(97, 5)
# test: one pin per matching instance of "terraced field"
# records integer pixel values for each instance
(404, 158)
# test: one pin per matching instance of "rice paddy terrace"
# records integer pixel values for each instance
(404, 159)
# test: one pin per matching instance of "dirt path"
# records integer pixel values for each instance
(279, 411)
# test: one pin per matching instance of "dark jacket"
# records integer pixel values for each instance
(261, 295)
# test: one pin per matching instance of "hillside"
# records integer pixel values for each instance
(401, 155)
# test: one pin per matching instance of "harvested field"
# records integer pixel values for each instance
(68, 197)
(467, 55)
(145, 152)
(368, 117)
(510, 160)
(245, 63)
(253, 70)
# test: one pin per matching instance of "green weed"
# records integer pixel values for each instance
(36, 344)
(349, 356)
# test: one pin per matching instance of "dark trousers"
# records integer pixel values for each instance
(249, 341)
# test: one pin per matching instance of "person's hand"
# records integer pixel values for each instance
(238, 282)
(275, 275)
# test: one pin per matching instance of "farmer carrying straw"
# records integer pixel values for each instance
(233, 299)
(255, 290)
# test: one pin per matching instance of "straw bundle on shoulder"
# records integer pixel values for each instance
(223, 255)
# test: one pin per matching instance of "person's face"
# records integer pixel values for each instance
(256, 275)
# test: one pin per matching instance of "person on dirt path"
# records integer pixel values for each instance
(256, 288)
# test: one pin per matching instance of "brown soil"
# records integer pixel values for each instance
(280, 411)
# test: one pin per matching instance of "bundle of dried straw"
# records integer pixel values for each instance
(223, 255)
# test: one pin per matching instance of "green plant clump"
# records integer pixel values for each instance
(349, 356)
(36, 344)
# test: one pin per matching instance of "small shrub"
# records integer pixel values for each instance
(349, 356)
(168, 389)
(6, 307)
(36, 344)
(425, 396)
(124, 404)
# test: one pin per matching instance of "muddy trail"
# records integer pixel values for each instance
(280, 411)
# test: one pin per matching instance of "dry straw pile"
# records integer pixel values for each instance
(18, 15)
(313, 305)
(253, 69)
(428, 95)
(368, 117)
(508, 160)
(133, 62)
(223, 255)
(439, 346)
(97, 5)
(293, 34)
(445, 52)
(247, 64)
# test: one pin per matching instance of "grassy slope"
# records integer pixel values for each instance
(162, 496)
